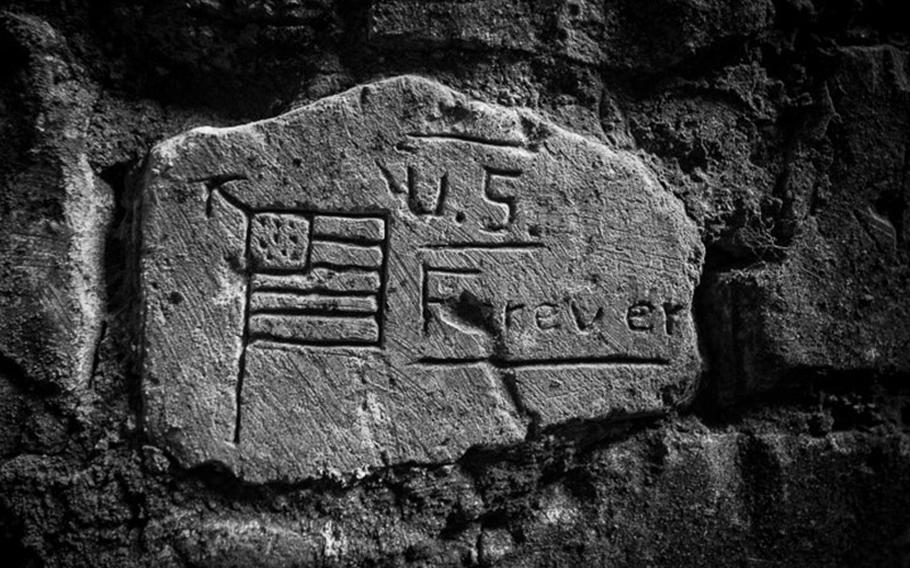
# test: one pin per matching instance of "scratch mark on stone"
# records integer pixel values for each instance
(96, 354)
(215, 183)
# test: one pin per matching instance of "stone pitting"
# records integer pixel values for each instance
(398, 273)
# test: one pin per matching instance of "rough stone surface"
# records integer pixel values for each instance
(320, 287)
(497, 24)
(623, 34)
(838, 302)
(53, 218)
(765, 497)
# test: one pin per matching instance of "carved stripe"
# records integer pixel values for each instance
(356, 330)
(320, 280)
(364, 230)
(342, 255)
(290, 300)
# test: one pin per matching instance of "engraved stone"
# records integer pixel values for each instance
(279, 241)
(398, 273)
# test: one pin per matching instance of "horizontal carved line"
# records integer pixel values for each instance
(215, 181)
(269, 341)
(322, 291)
(350, 229)
(453, 271)
(346, 267)
(316, 327)
(468, 138)
(484, 246)
(350, 241)
(354, 283)
(547, 363)
(277, 271)
(503, 172)
(313, 312)
(327, 274)
(339, 268)
(270, 302)
(366, 213)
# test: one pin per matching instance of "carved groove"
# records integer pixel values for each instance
(548, 363)
(317, 327)
(512, 246)
(323, 281)
(450, 136)
(245, 336)
(214, 183)
(314, 312)
(427, 298)
(332, 239)
(333, 254)
(453, 271)
(346, 267)
(316, 290)
(383, 278)
(443, 195)
(272, 340)
(349, 229)
(507, 201)
(393, 184)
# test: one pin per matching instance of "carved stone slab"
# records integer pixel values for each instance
(398, 273)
